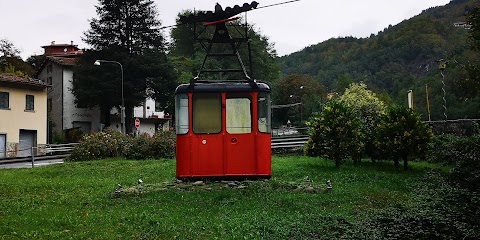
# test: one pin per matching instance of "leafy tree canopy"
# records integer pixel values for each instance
(293, 89)
(11, 62)
(189, 54)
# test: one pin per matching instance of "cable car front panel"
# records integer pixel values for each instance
(223, 129)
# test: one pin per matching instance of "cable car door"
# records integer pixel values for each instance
(240, 141)
(207, 142)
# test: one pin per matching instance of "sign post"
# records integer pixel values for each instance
(137, 123)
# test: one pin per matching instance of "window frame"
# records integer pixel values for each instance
(195, 127)
(239, 96)
(29, 107)
(178, 108)
(268, 124)
(7, 100)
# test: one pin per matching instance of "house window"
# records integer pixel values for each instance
(30, 103)
(4, 100)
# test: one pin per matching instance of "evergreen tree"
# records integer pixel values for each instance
(130, 25)
(127, 32)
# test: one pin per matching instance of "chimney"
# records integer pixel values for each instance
(71, 43)
(53, 42)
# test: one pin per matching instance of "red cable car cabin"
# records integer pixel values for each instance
(223, 130)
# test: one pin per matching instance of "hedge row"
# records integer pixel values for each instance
(111, 143)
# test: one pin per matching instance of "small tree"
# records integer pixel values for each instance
(369, 109)
(402, 135)
(334, 133)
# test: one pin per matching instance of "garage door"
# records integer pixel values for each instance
(28, 139)
(3, 145)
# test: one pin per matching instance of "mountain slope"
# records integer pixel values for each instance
(400, 58)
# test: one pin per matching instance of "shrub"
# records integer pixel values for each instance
(334, 133)
(74, 135)
(112, 143)
(99, 145)
(369, 108)
(466, 171)
(444, 149)
(439, 210)
(401, 135)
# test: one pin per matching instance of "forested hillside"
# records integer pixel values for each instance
(400, 58)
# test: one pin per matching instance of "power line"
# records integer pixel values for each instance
(276, 4)
(271, 5)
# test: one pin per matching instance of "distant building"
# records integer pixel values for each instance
(57, 70)
(151, 117)
(462, 25)
(23, 115)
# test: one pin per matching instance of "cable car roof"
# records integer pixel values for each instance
(223, 87)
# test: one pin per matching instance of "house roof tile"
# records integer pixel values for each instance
(10, 78)
(64, 61)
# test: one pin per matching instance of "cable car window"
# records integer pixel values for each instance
(264, 113)
(181, 114)
(239, 114)
(207, 113)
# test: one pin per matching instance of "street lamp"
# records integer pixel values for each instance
(122, 108)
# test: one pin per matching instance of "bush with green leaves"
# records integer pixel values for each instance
(161, 145)
(99, 145)
(335, 133)
(444, 148)
(438, 210)
(369, 108)
(402, 135)
(111, 143)
(466, 159)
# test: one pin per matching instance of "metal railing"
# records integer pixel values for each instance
(47, 151)
(289, 142)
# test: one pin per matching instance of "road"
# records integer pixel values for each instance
(38, 163)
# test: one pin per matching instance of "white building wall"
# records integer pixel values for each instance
(150, 112)
(73, 114)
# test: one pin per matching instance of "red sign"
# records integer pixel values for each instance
(137, 123)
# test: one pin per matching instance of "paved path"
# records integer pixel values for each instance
(38, 163)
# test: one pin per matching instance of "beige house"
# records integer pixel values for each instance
(23, 115)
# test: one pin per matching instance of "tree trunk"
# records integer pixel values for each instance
(128, 119)
(397, 163)
(405, 162)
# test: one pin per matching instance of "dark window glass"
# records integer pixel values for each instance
(30, 103)
(4, 100)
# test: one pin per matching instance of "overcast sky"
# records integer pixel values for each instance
(30, 24)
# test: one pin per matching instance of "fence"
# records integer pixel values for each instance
(289, 142)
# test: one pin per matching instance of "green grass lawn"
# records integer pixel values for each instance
(76, 200)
